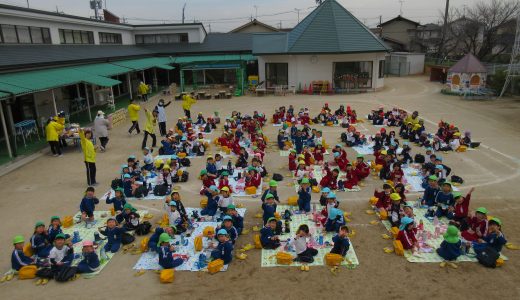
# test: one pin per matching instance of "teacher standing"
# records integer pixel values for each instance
(89, 155)
(101, 127)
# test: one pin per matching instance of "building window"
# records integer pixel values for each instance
(161, 38)
(381, 68)
(353, 75)
(17, 34)
(110, 38)
(276, 74)
(68, 36)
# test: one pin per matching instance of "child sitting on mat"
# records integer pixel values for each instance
(407, 234)
(335, 220)
(323, 198)
(18, 258)
(341, 242)
(55, 229)
(304, 196)
(450, 248)
(304, 254)
(461, 209)
(225, 199)
(166, 260)
(39, 241)
(87, 207)
(90, 261)
(113, 234)
(213, 199)
(494, 237)
(62, 253)
(118, 201)
(273, 186)
(477, 225)
(224, 249)
(227, 224)
(238, 220)
(445, 202)
(268, 238)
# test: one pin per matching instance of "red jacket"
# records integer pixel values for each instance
(397, 176)
(318, 155)
(224, 182)
(384, 200)
(292, 162)
(362, 171)
(407, 238)
(477, 226)
(461, 210)
(255, 181)
(351, 180)
(308, 157)
(342, 163)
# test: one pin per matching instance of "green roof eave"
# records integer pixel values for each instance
(321, 53)
(103, 69)
(101, 81)
(143, 63)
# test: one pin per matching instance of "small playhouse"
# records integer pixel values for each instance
(467, 75)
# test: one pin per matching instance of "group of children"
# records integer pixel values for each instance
(284, 115)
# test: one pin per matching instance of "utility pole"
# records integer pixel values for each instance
(444, 29)
(183, 8)
(401, 7)
(28, 4)
(513, 69)
(298, 12)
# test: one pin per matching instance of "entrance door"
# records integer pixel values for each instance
(276, 74)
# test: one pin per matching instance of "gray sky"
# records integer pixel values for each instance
(224, 15)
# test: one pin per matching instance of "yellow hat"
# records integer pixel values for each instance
(456, 134)
(301, 156)
(384, 152)
(395, 197)
(226, 189)
(301, 162)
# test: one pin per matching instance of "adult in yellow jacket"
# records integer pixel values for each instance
(187, 102)
(149, 129)
(413, 118)
(143, 89)
(133, 114)
(52, 131)
(89, 155)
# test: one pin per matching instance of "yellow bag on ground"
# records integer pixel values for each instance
(27, 250)
(293, 201)
(197, 242)
(462, 148)
(208, 230)
(67, 222)
(256, 240)
(144, 244)
(284, 258)
(204, 202)
(398, 248)
(250, 190)
(215, 266)
(500, 262)
(383, 214)
(333, 259)
(373, 200)
(395, 231)
(182, 154)
(315, 189)
(167, 276)
(27, 272)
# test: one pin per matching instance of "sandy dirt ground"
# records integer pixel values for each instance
(50, 186)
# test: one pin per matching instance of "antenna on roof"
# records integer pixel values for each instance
(183, 8)
(401, 7)
(96, 5)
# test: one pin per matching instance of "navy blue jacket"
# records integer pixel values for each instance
(52, 233)
(117, 202)
(39, 242)
(18, 259)
(238, 222)
(166, 259)
(211, 168)
(88, 205)
(154, 239)
(495, 241)
(212, 207)
(449, 251)
(113, 235)
(341, 245)
(224, 252)
(266, 234)
(446, 199)
(269, 211)
(304, 199)
(429, 196)
(91, 259)
(274, 193)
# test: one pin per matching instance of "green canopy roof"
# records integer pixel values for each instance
(101, 81)
(104, 69)
(7, 89)
(144, 63)
(165, 67)
(330, 28)
(212, 58)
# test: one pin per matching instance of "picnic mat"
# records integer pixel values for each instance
(88, 234)
(268, 256)
(368, 149)
(413, 180)
(427, 253)
(184, 248)
(238, 185)
(317, 173)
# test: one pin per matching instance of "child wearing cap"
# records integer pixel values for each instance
(273, 185)
(477, 225)
(90, 260)
(39, 241)
(18, 258)
(118, 201)
(397, 174)
(87, 207)
(304, 196)
(62, 253)
(147, 159)
(445, 202)
(238, 220)
(341, 242)
(407, 234)
(54, 229)
(165, 250)
(224, 181)
(129, 216)
(430, 192)
(224, 249)
(292, 160)
(268, 238)
(323, 197)
(211, 167)
(399, 189)
(450, 248)
(207, 180)
(383, 197)
(225, 199)
(113, 234)
(252, 177)
(227, 224)
(212, 193)
(335, 220)
(351, 178)
(269, 208)
(395, 210)
(153, 242)
(494, 237)
(304, 253)
(362, 169)
(461, 209)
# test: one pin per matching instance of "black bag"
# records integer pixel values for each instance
(116, 183)
(184, 177)
(46, 273)
(488, 257)
(160, 190)
(313, 182)
(184, 162)
(419, 159)
(65, 274)
(127, 238)
(141, 192)
(457, 179)
(277, 177)
(143, 228)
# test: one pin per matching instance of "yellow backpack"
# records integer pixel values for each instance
(144, 244)
(27, 272)
(315, 189)
(256, 240)
(167, 276)
(208, 230)
(204, 202)
(333, 259)
(198, 243)
(293, 201)
(398, 248)
(383, 214)
(250, 190)
(67, 222)
(373, 200)
(284, 258)
(215, 266)
(395, 231)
